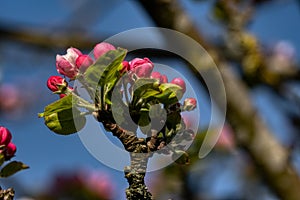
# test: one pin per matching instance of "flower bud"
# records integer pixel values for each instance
(126, 66)
(141, 67)
(56, 83)
(102, 48)
(160, 77)
(189, 104)
(156, 75)
(62, 95)
(180, 82)
(83, 62)
(5, 136)
(10, 150)
(65, 64)
(163, 79)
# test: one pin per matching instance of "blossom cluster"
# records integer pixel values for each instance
(74, 62)
(7, 148)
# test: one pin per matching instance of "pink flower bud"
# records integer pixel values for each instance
(163, 79)
(62, 95)
(5, 136)
(102, 48)
(141, 67)
(156, 75)
(54, 82)
(180, 82)
(83, 62)
(160, 77)
(126, 66)
(189, 104)
(10, 150)
(65, 64)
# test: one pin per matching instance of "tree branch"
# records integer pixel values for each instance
(140, 150)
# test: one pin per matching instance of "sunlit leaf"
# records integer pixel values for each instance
(61, 116)
(12, 168)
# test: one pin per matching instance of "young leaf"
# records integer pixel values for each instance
(106, 72)
(112, 72)
(61, 116)
(145, 90)
(12, 168)
(170, 93)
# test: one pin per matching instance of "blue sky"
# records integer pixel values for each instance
(46, 152)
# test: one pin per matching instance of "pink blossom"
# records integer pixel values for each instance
(102, 48)
(5, 136)
(141, 67)
(66, 64)
(180, 82)
(83, 62)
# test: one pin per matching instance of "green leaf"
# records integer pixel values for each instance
(112, 72)
(144, 119)
(169, 93)
(2, 159)
(144, 90)
(12, 168)
(173, 120)
(106, 72)
(61, 116)
(144, 82)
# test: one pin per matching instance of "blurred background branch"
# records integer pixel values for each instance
(270, 157)
(38, 38)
